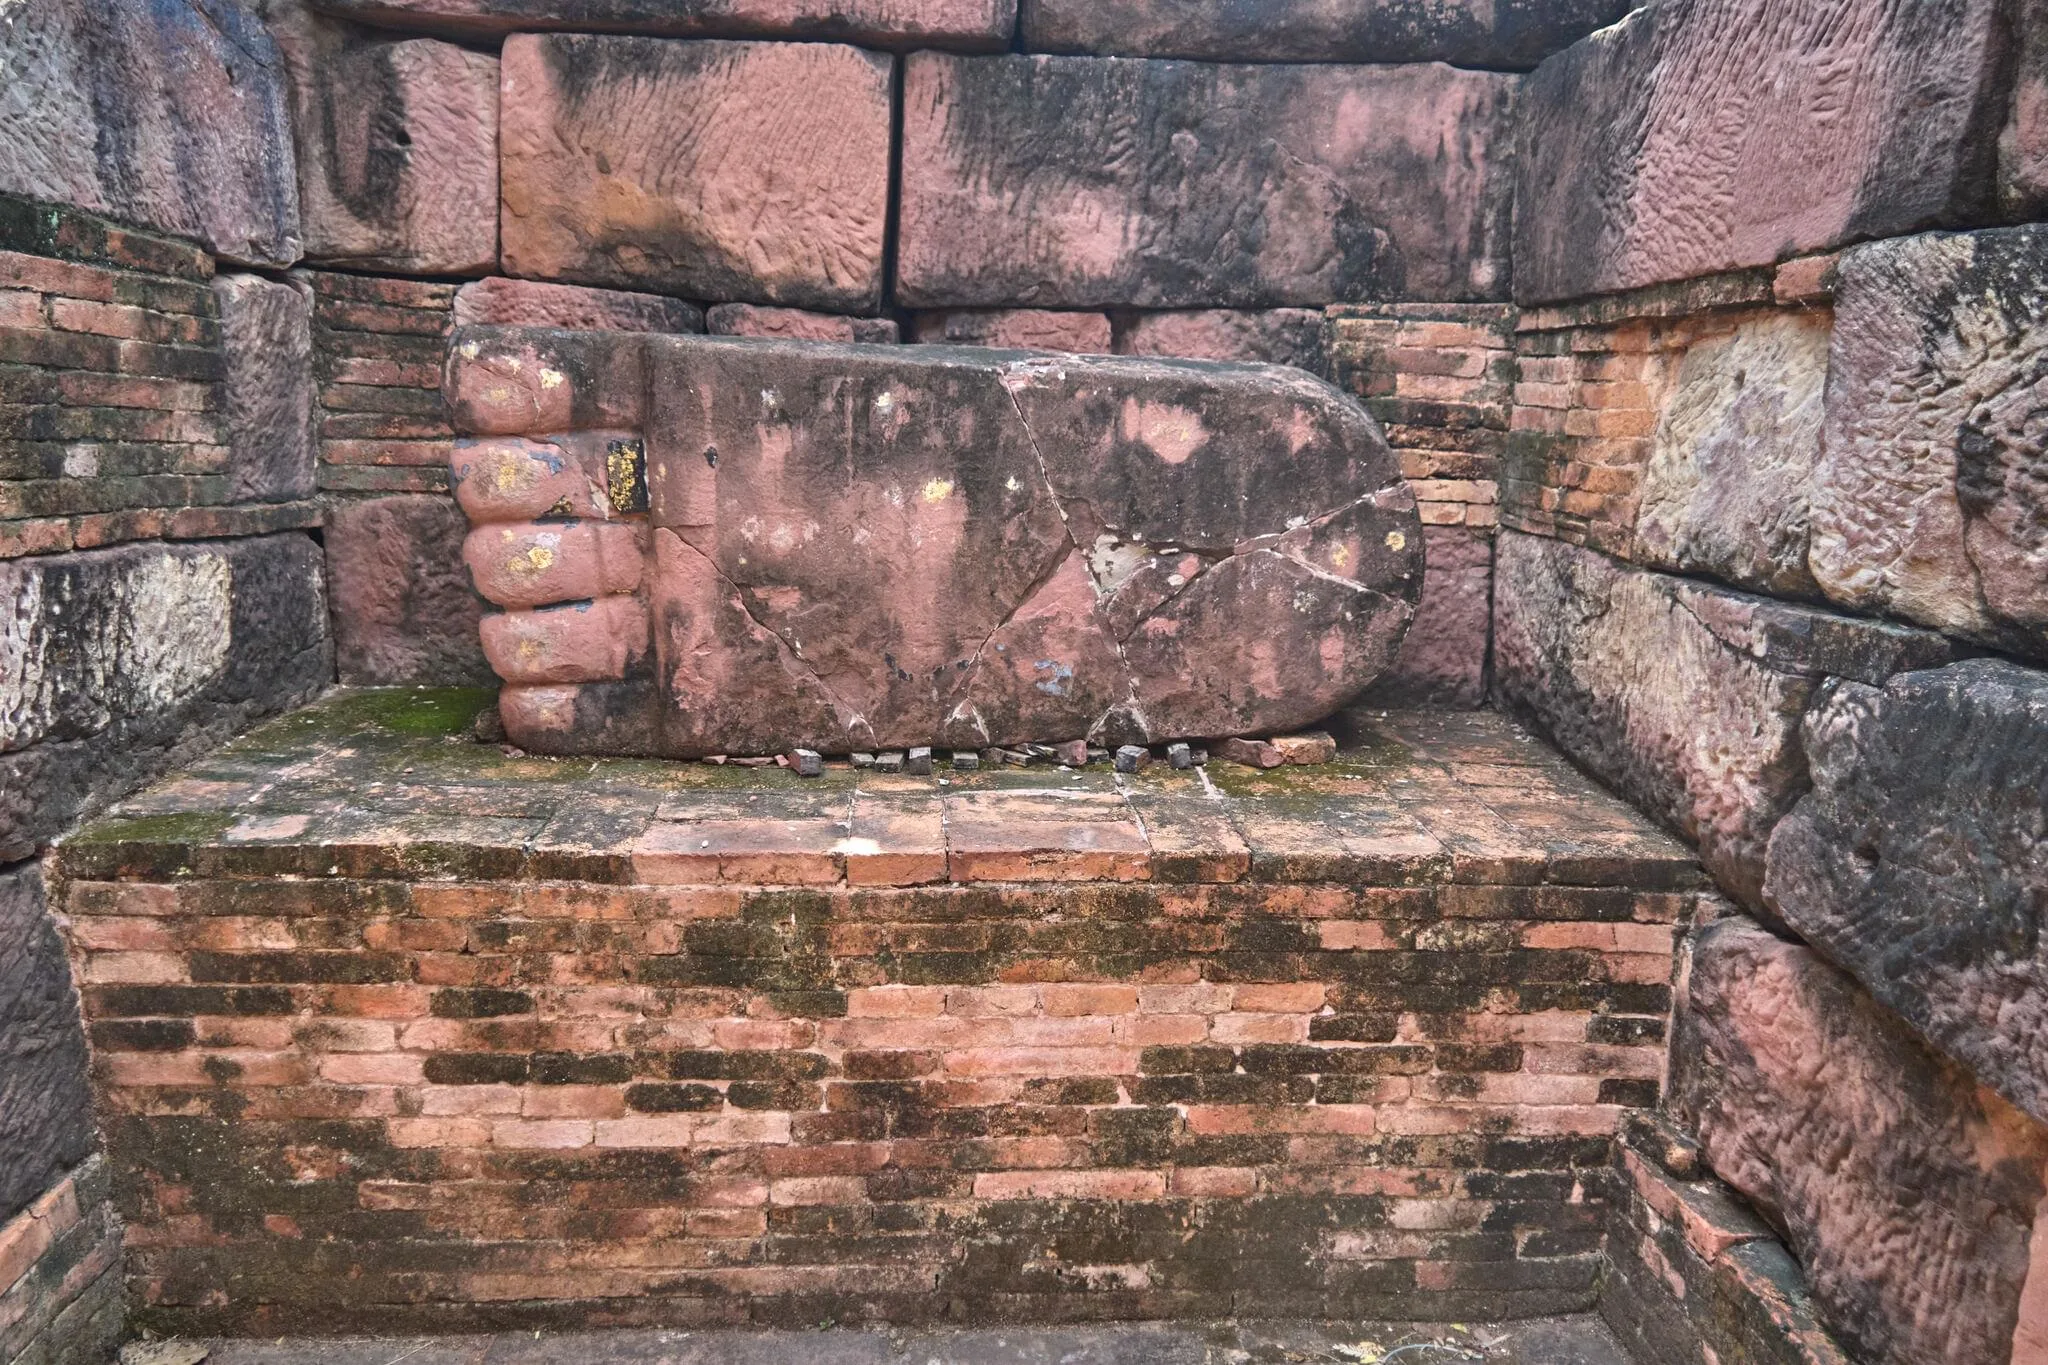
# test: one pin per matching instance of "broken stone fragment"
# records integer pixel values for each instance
(1073, 753)
(965, 760)
(1132, 758)
(889, 763)
(1253, 753)
(806, 762)
(846, 548)
(1179, 755)
(1313, 747)
(917, 760)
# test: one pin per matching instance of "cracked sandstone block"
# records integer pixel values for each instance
(501, 302)
(755, 172)
(1931, 496)
(1079, 182)
(1910, 1194)
(1919, 861)
(1686, 696)
(855, 548)
(169, 114)
(973, 25)
(1706, 135)
(397, 146)
(1271, 336)
(1512, 34)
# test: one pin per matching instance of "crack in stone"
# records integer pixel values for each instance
(839, 704)
(1133, 699)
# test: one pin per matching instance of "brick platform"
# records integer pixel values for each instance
(397, 1031)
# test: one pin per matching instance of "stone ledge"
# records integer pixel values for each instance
(387, 784)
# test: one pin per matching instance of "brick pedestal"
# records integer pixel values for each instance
(395, 1030)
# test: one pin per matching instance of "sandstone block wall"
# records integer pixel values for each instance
(158, 591)
(1771, 482)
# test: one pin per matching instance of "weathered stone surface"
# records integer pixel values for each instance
(1908, 1192)
(45, 1109)
(404, 611)
(1685, 696)
(1919, 861)
(397, 146)
(266, 334)
(500, 302)
(1271, 336)
(1074, 182)
(166, 113)
(1729, 478)
(860, 548)
(1706, 135)
(1931, 497)
(756, 172)
(1443, 656)
(969, 25)
(2023, 144)
(1511, 34)
(114, 663)
(795, 324)
(1024, 329)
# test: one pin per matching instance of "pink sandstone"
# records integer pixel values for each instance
(1070, 182)
(1909, 1193)
(795, 324)
(1275, 336)
(501, 302)
(854, 547)
(397, 146)
(1024, 329)
(1724, 134)
(973, 25)
(756, 172)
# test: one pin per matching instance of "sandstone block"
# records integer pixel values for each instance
(1074, 182)
(1023, 329)
(970, 25)
(1908, 1192)
(1272, 336)
(864, 548)
(1706, 135)
(45, 1109)
(501, 302)
(1918, 862)
(1931, 496)
(1442, 661)
(1510, 34)
(795, 324)
(170, 114)
(757, 172)
(116, 660)
(2023, 143)
(1727, 486)
(266, 335)
(404, 611)
(397, 146)
(1685, 696)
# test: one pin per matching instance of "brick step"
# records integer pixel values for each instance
(399, 1031)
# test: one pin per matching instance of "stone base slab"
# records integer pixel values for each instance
(397, 1031)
